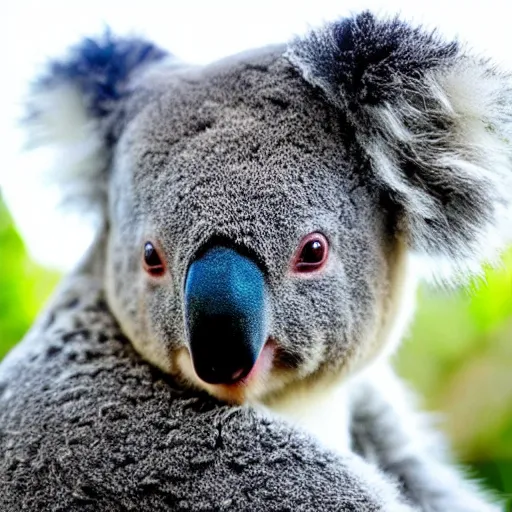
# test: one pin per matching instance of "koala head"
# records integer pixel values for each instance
(262, 210)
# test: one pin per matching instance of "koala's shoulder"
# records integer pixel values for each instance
(85, 423)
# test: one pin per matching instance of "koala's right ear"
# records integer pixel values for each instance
(76, 107)
(432, 124)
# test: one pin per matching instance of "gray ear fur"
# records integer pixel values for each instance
(433, 123)
(76, 108)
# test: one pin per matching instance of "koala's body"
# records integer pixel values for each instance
(265, 216)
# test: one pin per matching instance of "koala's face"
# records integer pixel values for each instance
(244, 252)
(261, 209)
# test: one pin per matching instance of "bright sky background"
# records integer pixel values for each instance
(197, 31)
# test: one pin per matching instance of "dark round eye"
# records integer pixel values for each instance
(152, 261)
(312, 253)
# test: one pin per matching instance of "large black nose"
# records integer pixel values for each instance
(225, 314)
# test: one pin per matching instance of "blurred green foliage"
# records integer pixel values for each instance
(458, 355)
(24, 285)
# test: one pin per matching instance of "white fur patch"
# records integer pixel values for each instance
(60, 122)
(322, 412)
(477, 148)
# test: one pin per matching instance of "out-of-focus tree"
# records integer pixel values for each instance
(24, 285)
(459, 357)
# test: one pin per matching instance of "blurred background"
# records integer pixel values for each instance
(458, 355)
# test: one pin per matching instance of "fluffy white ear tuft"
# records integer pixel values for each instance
(60, 122)
(450, 165)
(76, 108)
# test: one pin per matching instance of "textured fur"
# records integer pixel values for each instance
(389, 141)
(91, 427)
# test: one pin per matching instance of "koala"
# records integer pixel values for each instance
(265, 219)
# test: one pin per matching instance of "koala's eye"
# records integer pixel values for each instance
(312, 253)
(153, 264)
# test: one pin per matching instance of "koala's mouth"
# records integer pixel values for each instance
(261, 368)
(246, 388)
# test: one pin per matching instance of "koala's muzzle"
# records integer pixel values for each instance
(225, 315)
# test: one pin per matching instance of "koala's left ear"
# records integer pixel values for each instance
(434, 124)
(78, 107)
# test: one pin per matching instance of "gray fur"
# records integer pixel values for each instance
(370, 132)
